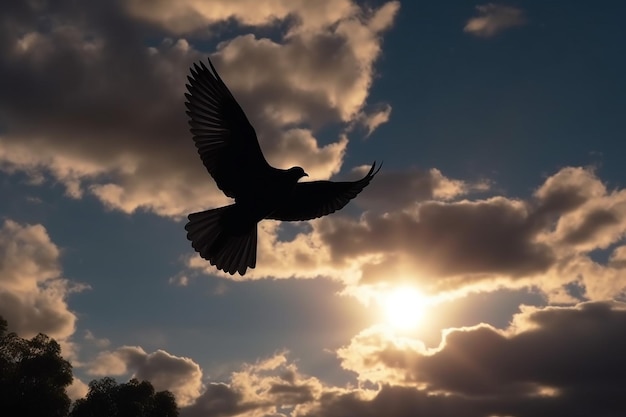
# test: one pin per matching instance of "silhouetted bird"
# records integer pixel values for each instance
(227, 143)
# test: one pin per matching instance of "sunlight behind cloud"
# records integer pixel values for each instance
(403, 307)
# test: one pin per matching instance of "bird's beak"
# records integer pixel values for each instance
(306, 175)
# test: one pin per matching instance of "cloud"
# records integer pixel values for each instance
(400, 401)
(180, 375)
(261, 388)
(307, 255)
(394, 190)
(418, 231)
(219, 399)
(618, 258)
(33, 295)
(78, 389)
(377, 117)
(551, 360)
(492, 236)
(600, 218)
(118, 135)
(493, 19)
(482, 360)
(193, 15)
(544, 241)
(99, 342)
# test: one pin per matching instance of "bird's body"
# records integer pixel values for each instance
(228, 146)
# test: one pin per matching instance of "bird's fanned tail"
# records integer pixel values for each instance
(226, 248)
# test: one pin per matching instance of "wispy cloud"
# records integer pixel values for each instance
(493, 19)
(99, 342)
(371, 120)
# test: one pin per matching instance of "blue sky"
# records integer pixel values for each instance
(500, 209)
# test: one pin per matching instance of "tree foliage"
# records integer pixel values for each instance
(133, 399)
(33, 376)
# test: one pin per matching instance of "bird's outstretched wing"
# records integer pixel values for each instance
(314, 199)
(225, 139)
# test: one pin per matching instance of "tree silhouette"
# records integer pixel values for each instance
(133, 399)
(33, 376)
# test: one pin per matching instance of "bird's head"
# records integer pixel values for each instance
(297, 173)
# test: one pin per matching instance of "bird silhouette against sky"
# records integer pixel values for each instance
(230, 151)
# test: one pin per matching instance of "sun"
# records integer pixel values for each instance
(403, 307)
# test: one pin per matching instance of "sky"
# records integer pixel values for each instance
(481, 273)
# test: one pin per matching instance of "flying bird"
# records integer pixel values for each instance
(230, 151)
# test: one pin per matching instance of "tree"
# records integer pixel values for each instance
(133, 399)
(33, 376)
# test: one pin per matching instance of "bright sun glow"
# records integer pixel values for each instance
(403, 307)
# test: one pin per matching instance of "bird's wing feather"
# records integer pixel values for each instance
(310, 200)
(225, 139)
